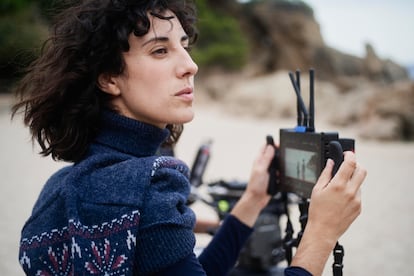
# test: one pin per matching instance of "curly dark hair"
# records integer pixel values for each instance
(59, 94)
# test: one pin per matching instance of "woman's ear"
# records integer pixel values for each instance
(109, 84)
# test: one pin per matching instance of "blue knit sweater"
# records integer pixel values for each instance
(121, 209)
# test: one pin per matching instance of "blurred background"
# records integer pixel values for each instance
(361, 51)
(362, 55)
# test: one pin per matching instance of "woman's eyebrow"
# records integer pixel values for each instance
(163, 39)
(156, 39)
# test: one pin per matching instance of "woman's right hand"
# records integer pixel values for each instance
(335, 203)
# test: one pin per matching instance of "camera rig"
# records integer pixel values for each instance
(303, 152)
(299, 161)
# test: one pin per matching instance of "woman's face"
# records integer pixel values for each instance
(157, 86)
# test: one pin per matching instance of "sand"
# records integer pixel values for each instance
(378, 243)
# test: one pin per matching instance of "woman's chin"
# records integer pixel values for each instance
(186, 117)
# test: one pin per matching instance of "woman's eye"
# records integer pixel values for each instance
(160, 51)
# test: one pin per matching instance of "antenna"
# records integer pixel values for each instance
(305, 119)
(298, 109)
(301, 104)
(311, 122)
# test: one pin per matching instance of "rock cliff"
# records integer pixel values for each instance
(371, 93)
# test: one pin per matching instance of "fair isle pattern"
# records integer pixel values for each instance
(171, 163)
(89, 250)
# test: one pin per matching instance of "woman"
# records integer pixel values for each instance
(114, 82)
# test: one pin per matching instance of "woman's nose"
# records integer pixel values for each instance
(187, 66)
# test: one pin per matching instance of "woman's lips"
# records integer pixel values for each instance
(186, 94)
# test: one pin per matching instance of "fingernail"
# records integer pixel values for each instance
(329, 162)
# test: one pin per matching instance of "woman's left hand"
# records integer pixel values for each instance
(255, 197)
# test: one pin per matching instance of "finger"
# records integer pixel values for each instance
(263, 159)
(358, 178)
(325, 176)
(346, 169)
(267, 155)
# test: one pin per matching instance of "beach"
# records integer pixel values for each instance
(378, 243)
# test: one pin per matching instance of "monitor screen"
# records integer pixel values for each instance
(301, 164)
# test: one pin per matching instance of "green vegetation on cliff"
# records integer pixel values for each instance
(221, 42)
(24, 27)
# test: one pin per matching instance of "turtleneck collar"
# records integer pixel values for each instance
(130, 136)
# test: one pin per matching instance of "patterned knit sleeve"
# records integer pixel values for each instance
(165, 233)
(57, 240)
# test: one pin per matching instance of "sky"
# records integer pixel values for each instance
(388, 25)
